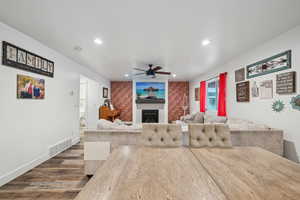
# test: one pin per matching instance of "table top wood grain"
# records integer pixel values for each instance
(145, 173)
(251, 173)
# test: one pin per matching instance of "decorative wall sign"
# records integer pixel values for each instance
(266, 89)
(240, 75)
(197, 94)
(295, 102)
(19, 58)
(275, 63)
(278, 106)
(243, 92)
(255, 90)
(286, 83)
(30, 88)
(105, 92)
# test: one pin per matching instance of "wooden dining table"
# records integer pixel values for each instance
(239, 173)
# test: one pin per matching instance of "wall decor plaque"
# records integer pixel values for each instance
(275, 63)
(286, 83)
(240, 75)
(278, 106)
(197, 94)
(295, 102)
(255, 89)
(105, 92)
(19, 58)
(243, 91)
(266, 89)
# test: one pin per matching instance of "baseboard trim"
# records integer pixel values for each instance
(75, 140)
(28, 166)
(22, 169)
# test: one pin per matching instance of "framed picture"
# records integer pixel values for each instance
(240, 75)
(11, 53)
(105, 92)
(275, 63)
(243, 92)
(19, 58)
(30, 88)
(266, 89)
(286, 83)
(255, 89)
(197, 94)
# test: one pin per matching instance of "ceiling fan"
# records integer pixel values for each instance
(152, 71)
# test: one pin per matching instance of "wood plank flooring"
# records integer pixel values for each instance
(61, 178)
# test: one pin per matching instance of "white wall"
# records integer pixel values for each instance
(94, 100)
(29, 127)
(260, 110)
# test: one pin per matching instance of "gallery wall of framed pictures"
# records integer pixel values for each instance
(285, 82)
(20, 58)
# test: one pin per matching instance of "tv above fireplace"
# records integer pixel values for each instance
(150, 92)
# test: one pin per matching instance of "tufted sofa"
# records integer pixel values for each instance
(209, 135)
(162, 135)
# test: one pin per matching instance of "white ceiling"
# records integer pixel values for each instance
(138, 32)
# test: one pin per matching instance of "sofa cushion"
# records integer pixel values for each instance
(199, 117)
(241, 124)
(208, 119)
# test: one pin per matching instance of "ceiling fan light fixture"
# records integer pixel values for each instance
(174, 75)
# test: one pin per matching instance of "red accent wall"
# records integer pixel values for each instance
(176, 94)
(121, 97)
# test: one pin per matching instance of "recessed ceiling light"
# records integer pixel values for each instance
(98, 41)
(205, 42)
(174, 75)
(126, 75)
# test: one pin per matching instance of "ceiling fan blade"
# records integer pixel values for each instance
(157, 68)
(139, 69)
(139, 74)
(165, 73)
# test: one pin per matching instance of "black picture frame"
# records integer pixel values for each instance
(243, 91)
(25, 60)
(105, 92)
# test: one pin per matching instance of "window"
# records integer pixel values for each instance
(212, 94)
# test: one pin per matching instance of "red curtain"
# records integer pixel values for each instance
(202, 96)
(222, 95)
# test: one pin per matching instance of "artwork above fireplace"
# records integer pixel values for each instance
(150, 92)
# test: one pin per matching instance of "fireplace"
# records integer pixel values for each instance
(150, 116)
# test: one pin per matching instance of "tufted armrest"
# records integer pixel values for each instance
(162, 135)
(209, 135)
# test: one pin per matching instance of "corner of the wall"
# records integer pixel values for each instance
(30, 165)
(22, 169)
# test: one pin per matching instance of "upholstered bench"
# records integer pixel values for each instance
(162, 135)
(209, 135)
